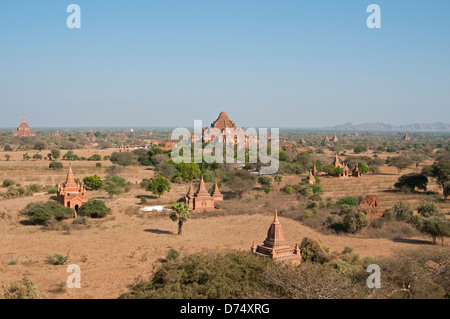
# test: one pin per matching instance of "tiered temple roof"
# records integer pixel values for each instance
(202, 199)
(275, 245)
(71, 194)
(24, 129)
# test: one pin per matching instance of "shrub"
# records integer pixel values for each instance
(355, 221)
(287, 190)
(95, 157)
(93, 182)
(144, 200)
(39, 213)
(8, 183)
(94, 209)
(55, 165)
(266, 181)
(436, 226)
(34, 188)
(172, 254)
(52, 190)
(347, 200)
(312, 250)
(23, 289)
(98, 164)
(267, 190)
(402, 211)
(159, 185)
(316, 189)
(428, 209)
(57, 259)
(308, 213)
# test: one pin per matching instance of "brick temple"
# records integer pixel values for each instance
(275, 246)
(23, 129)
(71, 194)
(202, 199)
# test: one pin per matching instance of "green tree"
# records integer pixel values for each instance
(440, 170)
(428, 209)
(355, 221)
(180, 214)
(363, 168)
(159, 185)
(55, 165)
(399, 162)
(402, 211)
(40, 145)
(93, 182)
(114, 185)
(124, 158)
(39, 213)
(360, 149)
(411, 182)
(436, 226)
(94, 209)
(188, 171)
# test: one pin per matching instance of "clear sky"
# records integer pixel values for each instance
(267, 63)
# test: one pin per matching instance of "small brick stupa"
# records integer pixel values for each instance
(202, 200)
(71, 194)
(275, 246)
(23, 129)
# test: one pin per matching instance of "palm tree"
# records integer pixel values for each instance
(181, 213)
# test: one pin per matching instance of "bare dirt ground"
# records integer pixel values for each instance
(113, 251)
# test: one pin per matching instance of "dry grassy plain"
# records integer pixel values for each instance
(113, 251)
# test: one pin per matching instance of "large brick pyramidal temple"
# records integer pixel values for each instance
(275, 246)
(23, 129)
(223, 122)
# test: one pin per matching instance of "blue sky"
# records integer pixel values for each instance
(284, 63)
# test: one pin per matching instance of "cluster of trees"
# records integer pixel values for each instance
(52, 212)
(321, 274)
(429, 219)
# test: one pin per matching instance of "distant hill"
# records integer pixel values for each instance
(378, 126)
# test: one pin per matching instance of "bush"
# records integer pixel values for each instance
(95, 157)
(172, 254)
(354, 222)
(436, 226)
(57, 259)
(93, 182)
(8, 183)
(316, 189)
(98, 164)
(23, 289)
(94, 209)
(428, 209)
(308, 213)
(34, 188)
(348, 200)
(39, 213)
(402, 211)
(55, 165)
(287, 190)
(52, 190)
(267, 190)
(312, 250)
(159, 185)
